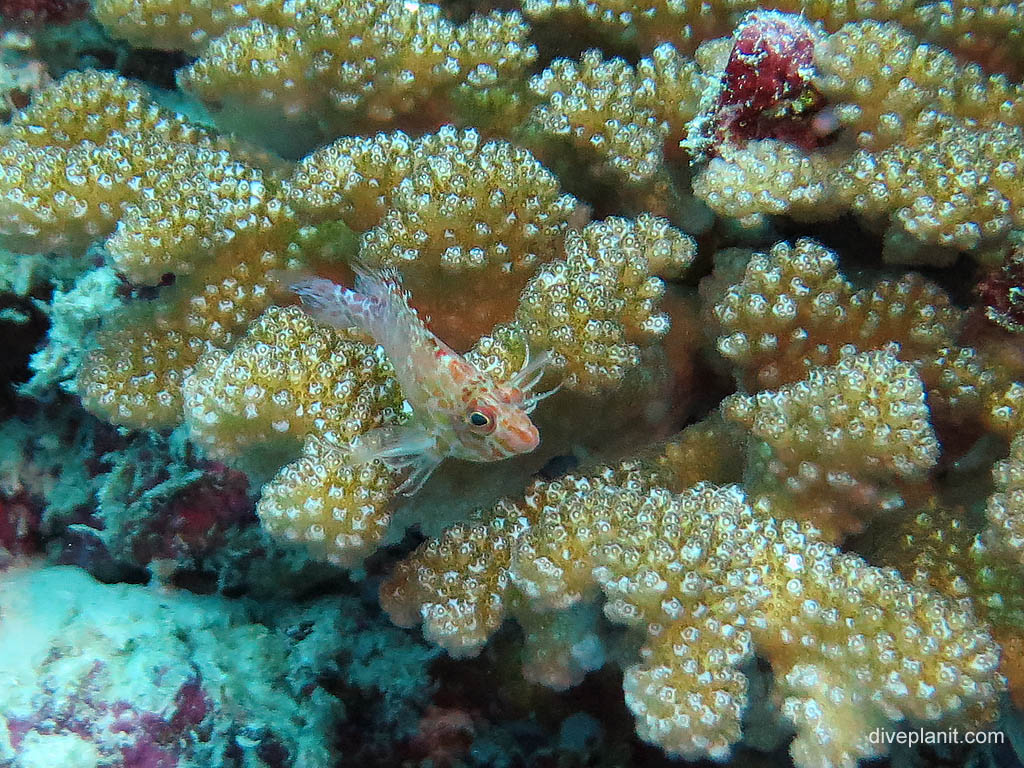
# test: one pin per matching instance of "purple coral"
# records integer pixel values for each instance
(767, 91)
(1002, 294)
(36, 13)
(197, 520)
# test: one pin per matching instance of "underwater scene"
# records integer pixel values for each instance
(511, 384)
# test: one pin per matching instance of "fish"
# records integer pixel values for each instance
(457, 409)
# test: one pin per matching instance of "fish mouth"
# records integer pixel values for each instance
(520, 440)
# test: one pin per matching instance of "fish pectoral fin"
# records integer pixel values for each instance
(423, 467)
(401, 448)
(393, 444)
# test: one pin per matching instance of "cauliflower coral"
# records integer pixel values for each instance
(766, 259)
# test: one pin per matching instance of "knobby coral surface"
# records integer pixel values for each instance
(710, 579)
(703, 222)
(328, 67)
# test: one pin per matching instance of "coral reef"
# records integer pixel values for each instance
(1006, 507)
(124, 674)
(848, 431)
(440, 207)
(327, 67)
(757, 266)
(291, 385)
(711, 579)
(766, 90)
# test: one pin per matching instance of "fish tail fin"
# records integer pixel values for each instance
(327, 301)
(384, 284)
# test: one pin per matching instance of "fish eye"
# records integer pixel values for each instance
(478, 419)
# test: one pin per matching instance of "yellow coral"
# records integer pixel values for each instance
(840, 438)
(881, 79)
(457, 613)
(954, 186)
(134, 373)
(92, 153)
(793, 310)
(175, 25)
(444, 206)
(338, 66)
(937, 546)
(289, 383)
(1005, 509)
(337, 510)
(840, 635)
(465, 204)
(768, 177)
(172, 200)
(681, 23)
(352, 179)
(620, 118)
(286, 379)
(87, 107)
(712, 579)
(592, 309)
(671, 86)
(593, 106)
(962, 384)
(484, 213)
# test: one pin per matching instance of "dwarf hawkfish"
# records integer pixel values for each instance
(458, 410)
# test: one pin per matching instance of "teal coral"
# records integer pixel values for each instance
(222, 676)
